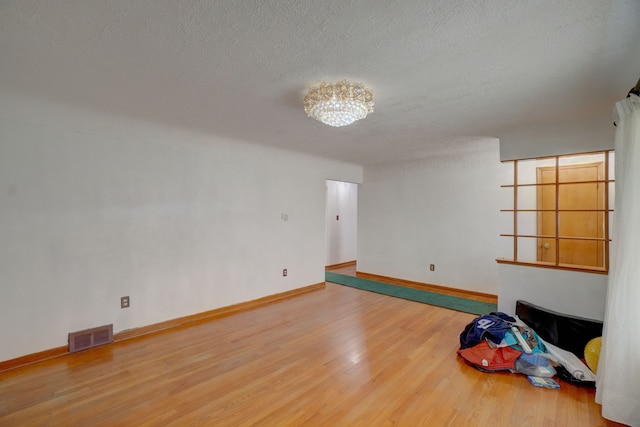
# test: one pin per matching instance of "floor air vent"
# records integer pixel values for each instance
(90, 338)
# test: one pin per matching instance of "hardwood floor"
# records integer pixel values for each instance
(348, 268)
(333, 357)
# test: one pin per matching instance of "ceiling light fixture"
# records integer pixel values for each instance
(338, 104)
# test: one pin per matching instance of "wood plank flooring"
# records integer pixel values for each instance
(334, 357)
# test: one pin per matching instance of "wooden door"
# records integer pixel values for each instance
(576, 214)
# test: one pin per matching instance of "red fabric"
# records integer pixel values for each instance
(486, 358)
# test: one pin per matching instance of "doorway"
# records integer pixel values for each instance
(341, 222)
(570, 209)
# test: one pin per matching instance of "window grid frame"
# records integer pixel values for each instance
(606, 210)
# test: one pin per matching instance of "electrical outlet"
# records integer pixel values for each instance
(124, 302)
(432, 267)
(284, 272)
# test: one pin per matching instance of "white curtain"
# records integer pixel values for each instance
(618, 377)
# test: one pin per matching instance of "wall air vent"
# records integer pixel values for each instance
(90, 338)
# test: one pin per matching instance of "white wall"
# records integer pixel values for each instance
(182, 223)
(565, 137)
(570, 292)
(441, 210)
(576, 293)
(341, 221)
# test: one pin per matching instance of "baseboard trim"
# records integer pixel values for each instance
(30, 359)
(462, 293)
(214, 314)
(217, 313)
(342, 265)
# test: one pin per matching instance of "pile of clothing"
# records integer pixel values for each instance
(498, 342)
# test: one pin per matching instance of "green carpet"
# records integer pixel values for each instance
(440, 300)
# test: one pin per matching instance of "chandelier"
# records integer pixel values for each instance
(338, 104)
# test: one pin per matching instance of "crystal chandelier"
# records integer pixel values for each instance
(338, 104)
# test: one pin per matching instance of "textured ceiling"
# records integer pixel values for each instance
(443, 72)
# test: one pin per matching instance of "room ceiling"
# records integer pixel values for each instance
(443, 72)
